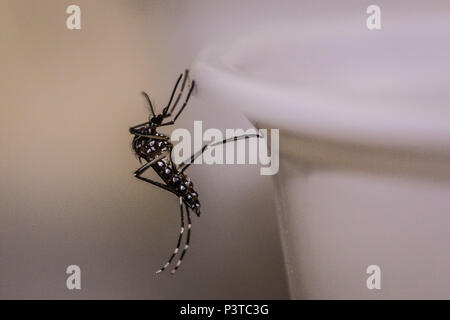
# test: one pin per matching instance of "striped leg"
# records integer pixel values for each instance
(185, 164)
(182, 108)
(186, 246)
(179, 238)
(185, 77)
(145, 167)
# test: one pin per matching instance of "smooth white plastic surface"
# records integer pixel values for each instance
(388, 88)
(364, 178)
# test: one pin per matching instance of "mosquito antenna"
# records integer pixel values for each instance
(149, 102)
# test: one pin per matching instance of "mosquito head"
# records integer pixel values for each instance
(155, 120)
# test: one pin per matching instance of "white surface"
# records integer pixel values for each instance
(67, 192)
(388, 88)
(365, 171)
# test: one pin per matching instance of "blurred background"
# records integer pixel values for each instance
(67, 194)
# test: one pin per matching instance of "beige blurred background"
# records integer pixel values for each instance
(67, 194)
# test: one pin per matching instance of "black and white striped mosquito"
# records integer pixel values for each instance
(155, 149)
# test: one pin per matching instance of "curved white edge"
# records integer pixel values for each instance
(314, 114)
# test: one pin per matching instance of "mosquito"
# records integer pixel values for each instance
(155, 149)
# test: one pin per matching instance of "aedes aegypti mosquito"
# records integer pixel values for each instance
(155, 148)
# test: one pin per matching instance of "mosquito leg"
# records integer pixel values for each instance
(186, 245)
(186, 76)
(150, 136)
(184, 165)
(182, 108)
(166, 109)
(164, 113)
(133, 129)
(142, 169)
(177, 248)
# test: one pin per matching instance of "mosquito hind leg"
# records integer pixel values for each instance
(177, 248)
(186, 245)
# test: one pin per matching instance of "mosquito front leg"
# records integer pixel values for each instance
(134, 128)
(182, 108)
(151, 136)
(166, 109)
